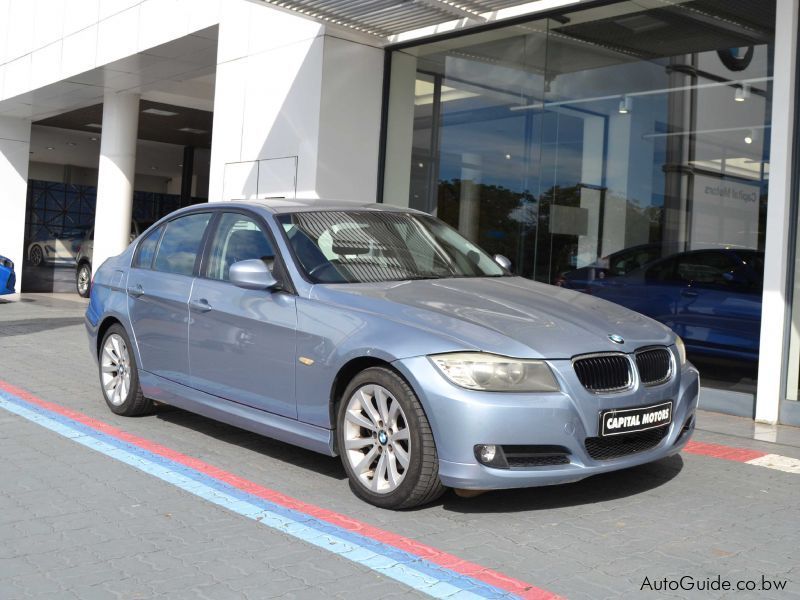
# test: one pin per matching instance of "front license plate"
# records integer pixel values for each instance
(616, 422)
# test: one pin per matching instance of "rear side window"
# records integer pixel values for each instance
(147, 249)
(180, 244)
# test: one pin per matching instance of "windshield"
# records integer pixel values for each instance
(371, 246)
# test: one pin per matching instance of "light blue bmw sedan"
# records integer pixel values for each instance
(381, 335)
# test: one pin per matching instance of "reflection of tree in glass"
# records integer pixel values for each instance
(505, 218)
(508, 221)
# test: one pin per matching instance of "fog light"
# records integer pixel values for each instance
(491, 455)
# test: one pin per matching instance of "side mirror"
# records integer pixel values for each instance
(502, 261)
(252, 274)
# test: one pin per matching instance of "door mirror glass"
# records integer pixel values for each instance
(502, 261)
(252, 274)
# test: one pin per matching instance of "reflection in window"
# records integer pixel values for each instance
(180, 244)
(588, 148)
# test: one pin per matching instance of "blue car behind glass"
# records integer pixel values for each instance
(711, 298)
(381, 335)
(8, 278)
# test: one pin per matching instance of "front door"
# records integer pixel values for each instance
(242, 342)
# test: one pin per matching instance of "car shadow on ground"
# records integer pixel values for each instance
(599, 488)
(306, 459)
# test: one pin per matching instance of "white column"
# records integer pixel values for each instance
(775, 306)
(15, 136)
(311, 115)
(112, 222)
(400, 130)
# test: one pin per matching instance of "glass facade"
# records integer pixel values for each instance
(616, 150)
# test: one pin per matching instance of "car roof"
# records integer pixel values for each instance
(283, 205)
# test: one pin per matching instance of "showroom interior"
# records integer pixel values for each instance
(559, 137)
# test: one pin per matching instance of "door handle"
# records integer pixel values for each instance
(201, 305)
(689, 294)
(136, 291)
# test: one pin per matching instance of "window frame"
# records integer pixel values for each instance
(163, 224)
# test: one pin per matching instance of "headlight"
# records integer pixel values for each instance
(681, 349)
(493, 373)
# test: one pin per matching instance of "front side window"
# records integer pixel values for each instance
(359, 247)
(180, 245)
(147, 249)
(238, 237)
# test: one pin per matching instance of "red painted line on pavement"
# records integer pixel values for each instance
(449, 561)
(723, 452)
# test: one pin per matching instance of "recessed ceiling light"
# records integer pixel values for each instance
(50, 148)
(73, 144)
(93, 139)
(154, 168)
(192, 130)
(94, 125)
(180, 166)
(159, 113)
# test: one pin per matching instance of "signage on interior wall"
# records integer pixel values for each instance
(724, 213)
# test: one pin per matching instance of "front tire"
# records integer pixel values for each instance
(83, 280)
(385, 441)
(119, 375)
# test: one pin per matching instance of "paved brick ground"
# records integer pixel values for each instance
(74, 523)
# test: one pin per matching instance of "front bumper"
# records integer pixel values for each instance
(462, 418)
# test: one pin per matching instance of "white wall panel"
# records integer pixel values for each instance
(17, 78)
(48, 24)
(80, 52)
(79, 14)
(118, 36)
(46, 65)
(20, 38)
(112, 7)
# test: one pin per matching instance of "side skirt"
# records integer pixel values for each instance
(267, 424)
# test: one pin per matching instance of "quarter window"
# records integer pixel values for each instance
(238, 237)
(180, 245)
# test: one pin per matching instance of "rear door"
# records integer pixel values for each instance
(242, 342)
(159, 285)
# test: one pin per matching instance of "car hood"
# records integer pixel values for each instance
(509, 315)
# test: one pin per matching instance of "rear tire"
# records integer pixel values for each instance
(386, 443)
(119, 375)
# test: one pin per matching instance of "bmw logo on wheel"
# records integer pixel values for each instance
(617, 339)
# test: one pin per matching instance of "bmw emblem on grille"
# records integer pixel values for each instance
(617, 339)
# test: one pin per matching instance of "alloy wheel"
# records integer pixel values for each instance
(84, 279)
(376, 438)
(36, 256)
(115, 369)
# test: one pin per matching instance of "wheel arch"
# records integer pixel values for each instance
(104, 326)
(352, 368)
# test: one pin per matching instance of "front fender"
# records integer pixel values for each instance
(332, 336)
